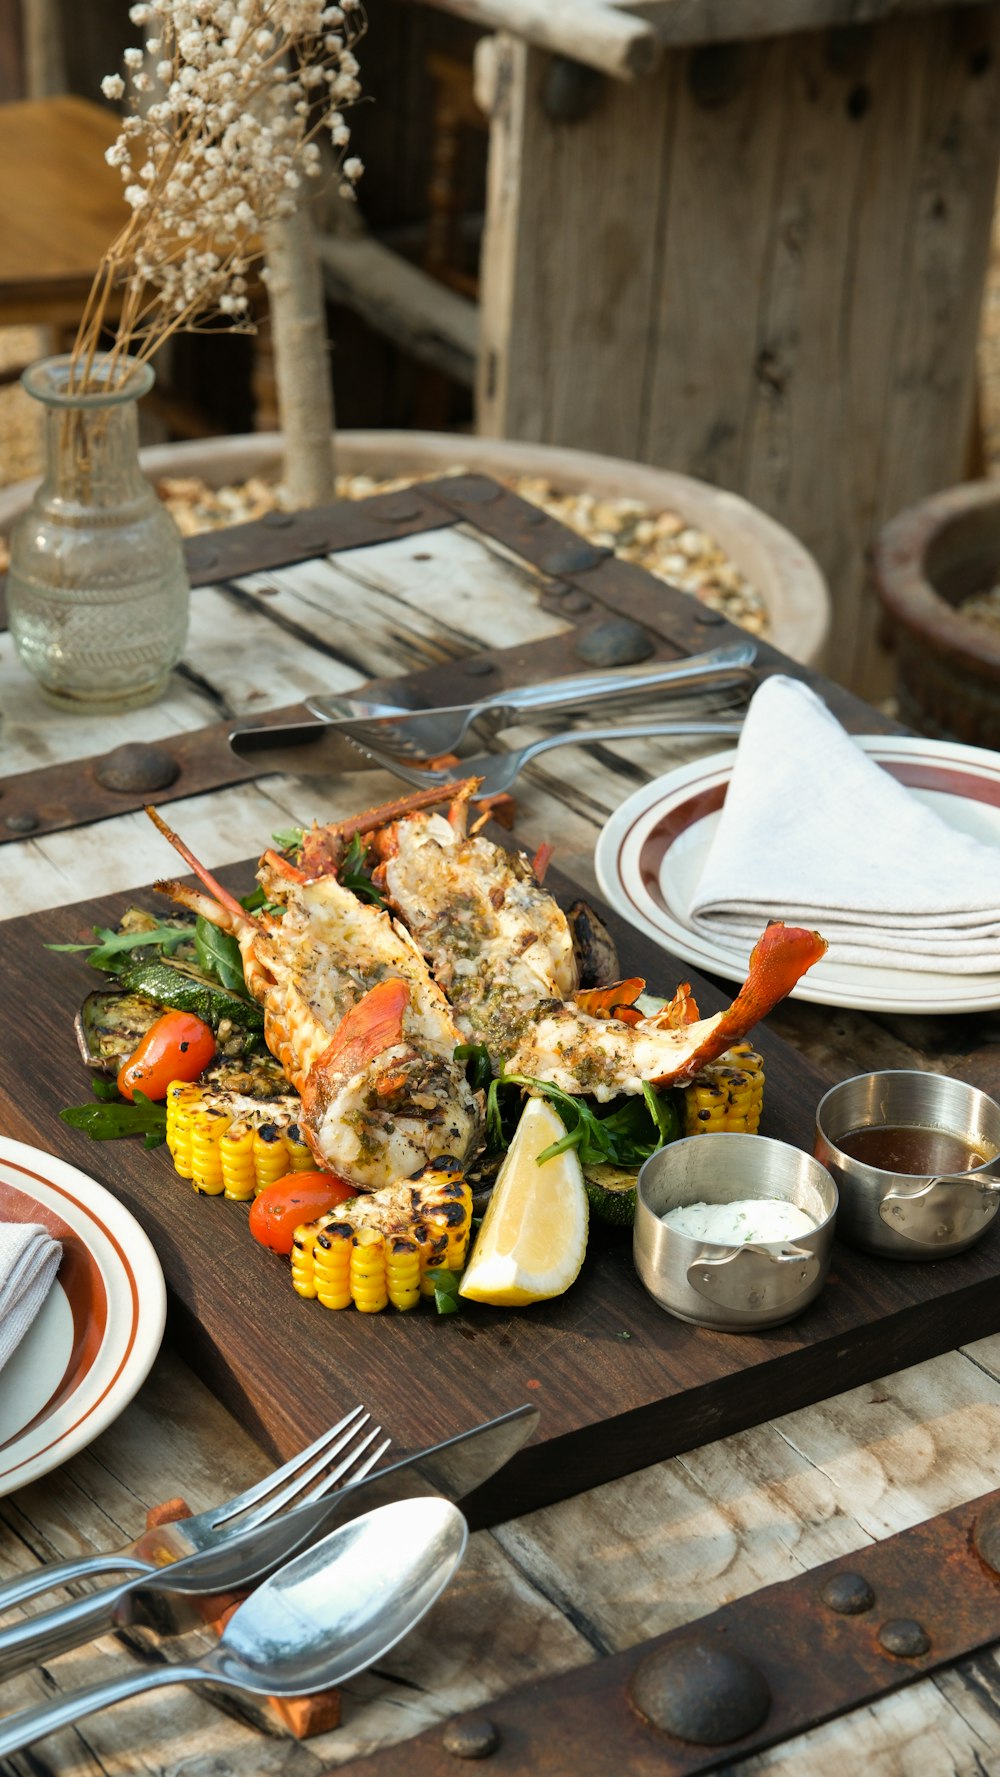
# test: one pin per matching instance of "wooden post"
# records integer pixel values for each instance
(762, 266)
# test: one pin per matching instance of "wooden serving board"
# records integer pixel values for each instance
(620, 1383)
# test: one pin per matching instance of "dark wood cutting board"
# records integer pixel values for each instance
(620, 1383)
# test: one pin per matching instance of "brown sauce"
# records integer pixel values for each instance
(895, 1147)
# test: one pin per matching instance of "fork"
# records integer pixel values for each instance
(187, 1536)
(497, 771)
(423, 734)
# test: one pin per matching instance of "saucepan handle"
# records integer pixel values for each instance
(754, 1277)
(950, 1208)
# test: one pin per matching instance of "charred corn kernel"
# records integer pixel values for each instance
(324, 1270)
(368, 1283)
(298, 1154)
(433, 1257)
(402, 1271)
(181, 1096)
(236, 1154)
(206, 1160)
(726, 1096)
(398, 1234)
(270, 1157)
(203, 1114)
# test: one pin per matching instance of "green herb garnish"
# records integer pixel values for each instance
(480, 1068)
(353, 875)
(445, 1291)
(622, 1133)
(219, 955)
(289, 838)
(109, 944)
(106, 1122)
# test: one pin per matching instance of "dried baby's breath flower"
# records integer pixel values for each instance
(240, 92)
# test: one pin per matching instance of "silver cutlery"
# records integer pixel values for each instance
(451, 1469)
(331, 1613)
(497, 771)
(423, 734)
(171, 1542)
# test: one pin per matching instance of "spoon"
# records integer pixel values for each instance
(328, 1614)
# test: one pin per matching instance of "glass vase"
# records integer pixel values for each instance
(97, 591)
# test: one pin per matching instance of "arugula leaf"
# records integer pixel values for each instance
(480, 1070)
(446, 1298)
(352, 873)
(289, 838)
(105, 1089)
(106, 1122)
(623, 1133)
(110, 943)
(219, 955)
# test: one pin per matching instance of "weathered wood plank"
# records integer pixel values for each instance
(573, 215)
(788, 308)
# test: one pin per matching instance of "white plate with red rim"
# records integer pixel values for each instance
(651, 852)
(99, 1329)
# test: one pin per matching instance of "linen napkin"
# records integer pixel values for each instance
(815, 833)
(29, 1260)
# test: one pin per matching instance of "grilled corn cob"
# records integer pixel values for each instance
(726, 1095)
(379, 1247)
(225, 1142)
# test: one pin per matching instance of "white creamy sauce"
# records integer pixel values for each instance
(733, 1224)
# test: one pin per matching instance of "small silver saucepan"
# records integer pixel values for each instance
(914, 1156)
(732, 1286)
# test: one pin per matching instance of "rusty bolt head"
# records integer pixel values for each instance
(278, 521)
(136, 767)
(701, 1692)
(576, 602)
(573, 558)
(904, 1637)
(480, 666)
(619, 642)
(401, 509)
(708, 614)
(848, 1593)
(986, 1536)
(21, 823)
(470, 1736)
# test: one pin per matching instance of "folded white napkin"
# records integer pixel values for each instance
(813, 832)
(29, 1260)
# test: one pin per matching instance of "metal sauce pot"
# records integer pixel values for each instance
(911, 1215)
(730, 1287)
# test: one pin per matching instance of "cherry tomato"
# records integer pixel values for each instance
(177, 1047)
(299, 1197)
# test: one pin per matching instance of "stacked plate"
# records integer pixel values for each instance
(651, 853)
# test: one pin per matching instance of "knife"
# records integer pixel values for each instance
(321, 747)
(448, 1470)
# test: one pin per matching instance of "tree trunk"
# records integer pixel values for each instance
(301, 359)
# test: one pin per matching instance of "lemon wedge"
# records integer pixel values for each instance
(534, 1234)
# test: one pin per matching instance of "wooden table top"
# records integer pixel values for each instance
(572, 1582)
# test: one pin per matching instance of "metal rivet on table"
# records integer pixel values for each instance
(470, 1736)
(708, 614)
(400, 511)
(471, 490)
(904, 1637)
(575, 602)
(848, 1593)
(136, 766)
(619, 642)
(21, 823)
(986, 1536)
(278, 521)
(700, 1692)
(479, 666)
(573, 558)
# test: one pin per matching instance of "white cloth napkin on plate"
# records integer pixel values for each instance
(29, 1260)
(815, 833)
